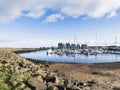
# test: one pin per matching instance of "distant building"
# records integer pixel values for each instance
(78, 46)
(61, 46)
(84, 46)
(67, 45)
(53, 48)
(73, 46)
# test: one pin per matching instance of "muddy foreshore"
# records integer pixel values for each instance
(107, 75)
(18, 73)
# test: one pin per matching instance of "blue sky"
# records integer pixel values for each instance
(25, 23)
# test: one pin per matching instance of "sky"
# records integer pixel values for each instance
(44, 23)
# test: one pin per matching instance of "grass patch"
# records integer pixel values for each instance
(1, 65)
(4, 80)
(26, 76)
(98, 73)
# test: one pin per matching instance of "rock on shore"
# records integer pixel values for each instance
(17, 73)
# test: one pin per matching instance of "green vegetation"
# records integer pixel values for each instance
(15, 70)
(1, 65)
(9, 78)
(26, 76)
(4, 80)
(98, 72)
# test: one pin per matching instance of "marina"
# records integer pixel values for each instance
(83, 49)
(72, 58)
(76, 53)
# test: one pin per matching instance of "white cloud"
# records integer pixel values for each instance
(35, 14)
(53, 18)
(13, 9)
(91, 8)
(112, 14)
(20, 43)
(8, 40)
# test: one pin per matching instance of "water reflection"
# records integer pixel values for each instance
(49, 55)
(73, 58)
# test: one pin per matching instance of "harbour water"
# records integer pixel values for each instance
(72, 58)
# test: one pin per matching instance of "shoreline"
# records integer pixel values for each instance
(26, 50)
(45, 61)
(51, 62)
(25, 74)
(106, 65)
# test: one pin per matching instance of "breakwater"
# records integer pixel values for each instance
(17, 73)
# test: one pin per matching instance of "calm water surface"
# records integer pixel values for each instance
(72, 58)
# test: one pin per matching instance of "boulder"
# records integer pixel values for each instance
(22, 70)
(81, 84)
(36, 84)
(61, 87)
(50, 79)
(54, 79)
(91, 83)
(20, 86)
(73, 88)
(67, 82)
(27, 88)
(52, 88)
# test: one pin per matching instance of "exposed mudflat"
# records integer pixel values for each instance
(107, 75)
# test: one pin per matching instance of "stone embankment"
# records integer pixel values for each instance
(17, 73)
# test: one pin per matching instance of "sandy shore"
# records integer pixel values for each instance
(106, 74)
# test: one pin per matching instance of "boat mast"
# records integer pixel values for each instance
(96, 48)
(74, 42)
(116, 41)
(74, 38)
(85, 40)
(96, 39)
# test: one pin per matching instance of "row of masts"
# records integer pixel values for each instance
(94, 50)
(115, 43)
